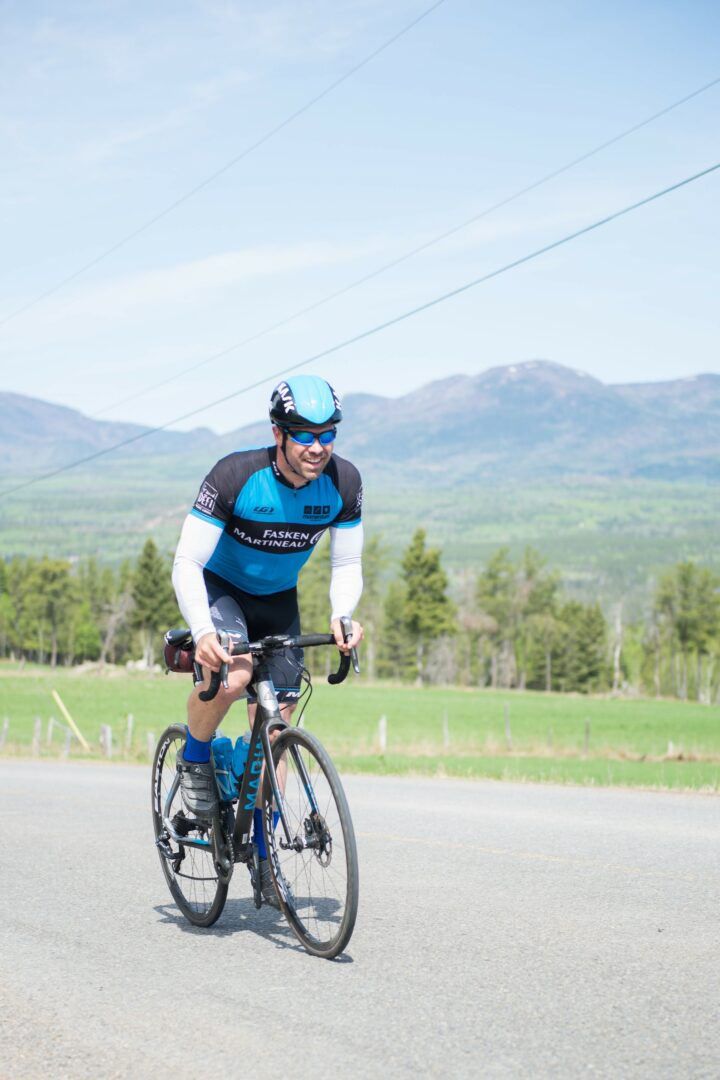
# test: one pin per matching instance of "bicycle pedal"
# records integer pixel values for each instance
(164, 848)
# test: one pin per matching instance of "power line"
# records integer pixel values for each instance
(374, 329)
(413, 251)
(224, 168)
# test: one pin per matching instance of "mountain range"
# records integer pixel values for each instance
(528, 421)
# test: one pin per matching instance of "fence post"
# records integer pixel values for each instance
(106, 739)
(508, 732)
(37, 735)
(382, 734)
(129, 731)
(51, 725)
(150, 742)
(446, 731)
(4, 732)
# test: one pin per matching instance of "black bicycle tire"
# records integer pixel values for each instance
(334, 946)
(176, 732)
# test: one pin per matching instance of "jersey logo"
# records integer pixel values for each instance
(207, 498)
(263, 510)
(316, 511)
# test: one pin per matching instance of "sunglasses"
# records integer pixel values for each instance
(307, 438)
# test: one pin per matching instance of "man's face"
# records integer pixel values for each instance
(309, 461)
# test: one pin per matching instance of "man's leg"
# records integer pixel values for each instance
(197, 776)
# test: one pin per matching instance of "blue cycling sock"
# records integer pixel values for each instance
(196, 749)
(258, 837)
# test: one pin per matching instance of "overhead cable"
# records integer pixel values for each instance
(409, 254)
(373, 329)
(223, 168)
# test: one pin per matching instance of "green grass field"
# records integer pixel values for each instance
(553, 737)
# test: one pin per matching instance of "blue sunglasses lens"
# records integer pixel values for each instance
(307, 438)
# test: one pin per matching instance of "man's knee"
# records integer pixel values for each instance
(237, 684)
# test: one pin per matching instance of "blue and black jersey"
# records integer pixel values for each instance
(269, 527)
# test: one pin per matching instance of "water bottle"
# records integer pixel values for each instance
(239, 759)
(222, 751)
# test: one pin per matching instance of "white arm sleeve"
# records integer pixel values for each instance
(198, 540)
(345, 570)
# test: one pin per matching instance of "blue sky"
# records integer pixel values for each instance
(111, 112)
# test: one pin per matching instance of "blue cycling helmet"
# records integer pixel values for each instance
(304, 399)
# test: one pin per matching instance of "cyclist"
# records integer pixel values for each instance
(257, 517)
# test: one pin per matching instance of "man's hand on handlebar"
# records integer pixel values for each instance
(354, 641)
(210, 653)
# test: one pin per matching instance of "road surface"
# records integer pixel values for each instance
(504, 931)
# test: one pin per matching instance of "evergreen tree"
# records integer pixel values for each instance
(428, 612)
(395, 659)
(154, 606)
(60, 596)
(687, 609)
(496, 600)
(7, 612)
(582, 663)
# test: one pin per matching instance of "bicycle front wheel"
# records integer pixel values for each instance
(316, 875)
(189, 870)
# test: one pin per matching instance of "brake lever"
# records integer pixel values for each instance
(346, 624)
(224, 639)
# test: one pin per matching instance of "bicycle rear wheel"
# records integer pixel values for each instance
(189, 871)
(317, 885)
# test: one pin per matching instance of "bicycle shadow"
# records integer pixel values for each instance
(240, 916)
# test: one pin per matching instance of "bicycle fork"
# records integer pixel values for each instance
(267, 704)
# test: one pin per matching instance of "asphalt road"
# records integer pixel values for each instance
(504, 931)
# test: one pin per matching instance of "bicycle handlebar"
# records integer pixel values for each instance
(276, 643)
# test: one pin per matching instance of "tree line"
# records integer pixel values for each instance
(507, 624)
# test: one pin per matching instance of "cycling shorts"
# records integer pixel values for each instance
(254, 617)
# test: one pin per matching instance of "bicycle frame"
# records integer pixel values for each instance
(226, 849)
(267, 719)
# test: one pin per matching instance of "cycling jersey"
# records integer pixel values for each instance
(269, 527)
(253, 529)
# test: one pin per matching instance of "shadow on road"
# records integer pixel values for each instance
(241, 916)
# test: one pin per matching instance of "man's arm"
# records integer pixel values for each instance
(198, 541)
(345, 580)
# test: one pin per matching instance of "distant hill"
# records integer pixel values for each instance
(531, 421)
(35, 434)
(535, 420)
(610, 483)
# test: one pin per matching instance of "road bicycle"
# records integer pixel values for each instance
(307, 826)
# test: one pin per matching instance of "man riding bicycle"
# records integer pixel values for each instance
(255, 522)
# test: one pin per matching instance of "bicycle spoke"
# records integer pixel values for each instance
(323, 875)
(194, 885)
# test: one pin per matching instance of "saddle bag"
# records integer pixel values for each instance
(179, 651)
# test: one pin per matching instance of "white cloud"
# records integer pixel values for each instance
(109, 145)
(155, 294)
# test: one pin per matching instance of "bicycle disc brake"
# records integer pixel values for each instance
(317, 837)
